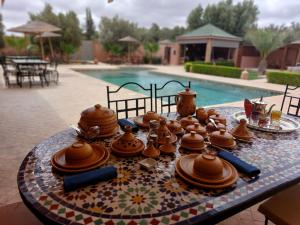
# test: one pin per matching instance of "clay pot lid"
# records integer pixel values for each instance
(97, 112)
(197, 128)
(187, 91)
(150, 115)
(192, 140)
(79, 155)
(210, 127)
(167, 147)
(222, 138)
(174, 126)
(185, 121)
(127, 142)
(218, 117)
(163, 132)
(241, 131)
(150, 151)
(208, 166)
(211, 112)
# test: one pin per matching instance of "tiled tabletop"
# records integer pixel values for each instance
(157, 196)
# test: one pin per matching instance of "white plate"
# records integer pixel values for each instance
(286, 124)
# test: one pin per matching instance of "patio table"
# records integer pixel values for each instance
(29, 62)
(157, 196)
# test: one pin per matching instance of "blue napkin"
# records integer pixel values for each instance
(239, 164)
(75, 181)
(125, 122)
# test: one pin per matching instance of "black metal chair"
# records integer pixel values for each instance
(166, 101)
(293, 101)
(8, 71)
(124, 106)
(52, 72)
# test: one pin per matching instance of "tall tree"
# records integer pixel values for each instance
(89, 25)
(112, 29)
(265, 41)
(154, 33)
(151, 48)
(2, 43)
(47, 15)
(194, 19)
(233, 18)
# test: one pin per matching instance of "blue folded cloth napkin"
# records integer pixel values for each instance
(125, 122)
(79, 180)
(239, 164)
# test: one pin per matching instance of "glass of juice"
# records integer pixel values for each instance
(275, 118)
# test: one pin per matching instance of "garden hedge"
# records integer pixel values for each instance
(223, 71)
(280, 77)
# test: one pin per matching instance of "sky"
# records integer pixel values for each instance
(166, 13)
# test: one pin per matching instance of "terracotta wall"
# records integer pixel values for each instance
(249, 62)
(174, 53)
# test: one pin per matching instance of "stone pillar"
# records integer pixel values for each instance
(282, 66)
(208, 50)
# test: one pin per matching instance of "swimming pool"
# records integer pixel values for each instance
(208, 92)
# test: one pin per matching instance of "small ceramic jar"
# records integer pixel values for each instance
(189, 120)
(201, 115)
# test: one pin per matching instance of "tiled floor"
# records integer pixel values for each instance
(31, 115)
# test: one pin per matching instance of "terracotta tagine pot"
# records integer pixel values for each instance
(211, 112)
(241, 131)
(208, 166)
(163, 132)
(197, 128)
(201, 115)
(127, 144)
(167, 148)
(186, 103)
(219, 118)
(175, 127)
(192, 141)
(99, 116)
(210, 127)
(151, 151)
(222, 138)
(150, 115)
(189, 120)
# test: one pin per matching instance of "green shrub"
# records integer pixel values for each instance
(187, 66)
(252, 74)
(224, 63)
(224, 71)
(280, 77)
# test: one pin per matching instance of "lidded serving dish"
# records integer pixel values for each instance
(79, 156)
(197, 128)
(201, 115)
(98, 116)
(219, 118)
(163, 132)
(144, 121)
(241, 131)
(150, 151)
(222, 138)
(206, 171)
(211, 112)
(127, 144)
(189, 120)
(192, 141)
(175, 127)
(167, 148)
(210, 127)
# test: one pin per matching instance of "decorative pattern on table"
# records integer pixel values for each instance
(138, 196)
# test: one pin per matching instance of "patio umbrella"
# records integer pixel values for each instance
(35, 28)
(130, 40)
(49, 35)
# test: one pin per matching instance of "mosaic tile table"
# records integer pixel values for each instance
(158, 196)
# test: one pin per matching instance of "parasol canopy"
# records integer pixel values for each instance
(35, 28)
(129, 40)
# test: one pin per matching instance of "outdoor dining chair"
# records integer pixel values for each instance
(138, 105)
(8, 71)
(52, 72)
(293, 100)
(168, 100)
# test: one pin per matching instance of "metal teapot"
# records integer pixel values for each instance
(259, 110)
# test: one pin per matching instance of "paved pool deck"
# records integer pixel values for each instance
(29, 115)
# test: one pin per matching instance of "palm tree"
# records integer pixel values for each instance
(265, 41)
(151, 48)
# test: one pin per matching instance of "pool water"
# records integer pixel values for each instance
(208, 92)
